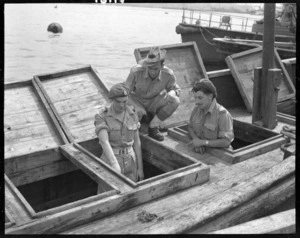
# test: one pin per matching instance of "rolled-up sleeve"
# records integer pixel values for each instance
(172, 85)
(131, 80)
(99, 123)
(226, 127)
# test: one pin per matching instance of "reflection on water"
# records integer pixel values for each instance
(104, 36)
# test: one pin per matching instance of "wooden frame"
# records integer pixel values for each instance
(186, 62)
(127, 196)
(29, 117)
(268, 140)
(242, 67)
(80, 101)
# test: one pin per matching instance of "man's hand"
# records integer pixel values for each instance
(198, 142)
(200, 149)
(116, 166)
(172, 93)
(140, 174)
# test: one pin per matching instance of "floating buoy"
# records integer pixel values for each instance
(55, 28)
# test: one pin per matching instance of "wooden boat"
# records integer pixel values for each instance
(227, 46)
(56, 183)
(202, 27)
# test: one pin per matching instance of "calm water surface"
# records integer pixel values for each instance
(104, 36)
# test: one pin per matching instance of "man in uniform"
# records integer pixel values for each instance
(117, 129)
(153, 90)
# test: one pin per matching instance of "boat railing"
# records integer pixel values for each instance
(219, 20)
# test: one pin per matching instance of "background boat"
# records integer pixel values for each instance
(202, 27)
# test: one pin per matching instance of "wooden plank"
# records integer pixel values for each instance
(52, 109)
(74, 97)
(286, 118)
(97, 169)
(42, 172)
(29, 161)
(222, 178)
(223, 202)
(64, 220)
(242, 66)
(279, 223)
(16, 205)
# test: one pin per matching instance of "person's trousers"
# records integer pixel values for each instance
(162, 105)
(127, 162)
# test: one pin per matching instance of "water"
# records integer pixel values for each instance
(104, 36)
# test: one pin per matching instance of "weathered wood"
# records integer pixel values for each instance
(222, 178)
(173, 158)
(261, 139)
(96, 169)
(75, 97)
(223, 202)
(27, 121)
(279, 223)
(290, 65)
(286, 118)
(78, 215)
(270, 107)
(16, 205)
(242, 68)
(257, 95)
(42, 172)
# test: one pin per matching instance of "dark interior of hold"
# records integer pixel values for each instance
(150, 162)
(59, 190)
(245, 134)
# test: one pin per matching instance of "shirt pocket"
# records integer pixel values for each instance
(114, 131)
(210, 131)
(130, 129)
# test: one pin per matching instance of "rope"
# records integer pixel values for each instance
(205, 37)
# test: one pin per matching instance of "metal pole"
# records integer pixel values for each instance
(268, 48)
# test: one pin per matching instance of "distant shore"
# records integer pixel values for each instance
(229, 7)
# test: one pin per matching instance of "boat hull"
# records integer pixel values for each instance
(203, 36)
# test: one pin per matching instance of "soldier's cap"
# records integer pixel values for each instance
(205, 84)
(154, 56)
(118, 90)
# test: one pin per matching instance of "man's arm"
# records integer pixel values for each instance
(107, 150)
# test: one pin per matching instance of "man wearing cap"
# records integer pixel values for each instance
(210, 125)
(117, 129)
(153, 90)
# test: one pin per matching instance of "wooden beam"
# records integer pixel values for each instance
(95, 169)
(279, 223)
(16, 205)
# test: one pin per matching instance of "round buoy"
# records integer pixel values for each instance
(55, 28)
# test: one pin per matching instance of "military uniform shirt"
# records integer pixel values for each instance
(145, 88)
(216, 123)
(121, 134)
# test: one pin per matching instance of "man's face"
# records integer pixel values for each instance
(154, 70)
(120, 103)
(203, 100)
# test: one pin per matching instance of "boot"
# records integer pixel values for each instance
(155, 134)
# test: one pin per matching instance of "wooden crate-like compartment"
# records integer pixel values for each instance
(50, 184)
(75, 96)
(242, 67)
(250, 141)
(29, 125)
(290, 65)
(186, 62)
(160, 163)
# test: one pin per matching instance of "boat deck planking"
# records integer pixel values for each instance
(177, 210)
(28, 125)
(75, 96)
